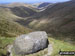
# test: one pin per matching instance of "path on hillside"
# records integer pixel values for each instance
(50, 50)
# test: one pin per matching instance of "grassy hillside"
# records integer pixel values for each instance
(8, 26)
(57, 20)
(61, 45)
(22, 11)
(3, 44)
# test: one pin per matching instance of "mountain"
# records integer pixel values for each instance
(41, 5)
(44, 4)
(57, 19)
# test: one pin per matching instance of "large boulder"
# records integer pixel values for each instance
(30, 43)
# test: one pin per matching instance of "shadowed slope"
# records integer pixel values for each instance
(20, 9)
(23, 11)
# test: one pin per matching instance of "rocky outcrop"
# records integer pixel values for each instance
(30, 43)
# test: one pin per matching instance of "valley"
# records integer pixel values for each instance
(57, 19)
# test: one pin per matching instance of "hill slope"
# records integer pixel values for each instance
(60, 18)
(20, 9)
(57, 19)
(8, 26)
(23, 11)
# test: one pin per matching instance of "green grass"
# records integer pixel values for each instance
(4, 41)
(64, 46)
(11, 29)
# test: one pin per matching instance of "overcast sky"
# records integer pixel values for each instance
(31, 1)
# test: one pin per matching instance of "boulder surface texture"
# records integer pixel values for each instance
(30, 43)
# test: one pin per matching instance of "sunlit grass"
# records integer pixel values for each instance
(4, 41)
(61, 45)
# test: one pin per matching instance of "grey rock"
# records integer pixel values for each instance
(9, 50)
(30, 43)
